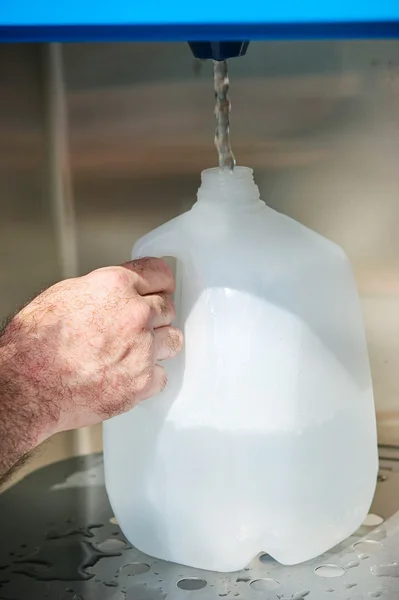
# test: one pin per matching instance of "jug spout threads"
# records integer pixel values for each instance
(235, 187)
(222, 114)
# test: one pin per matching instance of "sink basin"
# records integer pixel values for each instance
(60, 541)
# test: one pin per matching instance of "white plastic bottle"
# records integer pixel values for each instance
(265, 437)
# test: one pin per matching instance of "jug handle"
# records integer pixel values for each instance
(166, 240)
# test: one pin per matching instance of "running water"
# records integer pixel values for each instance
(222, 114)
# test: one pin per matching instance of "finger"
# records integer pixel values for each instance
(158, 382)
(152, 276)
(168, 342)
(163, 309)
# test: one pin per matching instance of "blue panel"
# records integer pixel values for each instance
(73, 20)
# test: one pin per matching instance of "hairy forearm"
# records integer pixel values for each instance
(85, 350)
(17, 426)
(24, 421)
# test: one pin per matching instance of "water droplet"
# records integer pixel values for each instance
(265, 584)
(330, 590)
(49, 562)
(368, 546)
(377, 535)
(329, 571)
(135, 569)
(391, 570)
(372, 520)
(352, 564)
(364, 556)
(191, 584)
(375, 594)
(298, 596)
(114, 521)
(349, 586)
(84, 531)
(111, 545)
(77, 597)
(243, 579)
(111, 584)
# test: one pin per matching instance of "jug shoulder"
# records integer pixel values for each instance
(258, 224)
(285, 225)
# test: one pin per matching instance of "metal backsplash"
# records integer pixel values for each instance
(100, 143)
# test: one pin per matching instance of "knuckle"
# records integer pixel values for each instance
(116, 276)
(150, 262)
(120, 276)
(171, 342)
(147, 345)
(145, 379)
(143, 314)
(163, 266)
(112, 277)
(157, 265)
(166, 306)
(175, 341)
(139, 264)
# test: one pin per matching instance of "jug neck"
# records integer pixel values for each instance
(231, 188)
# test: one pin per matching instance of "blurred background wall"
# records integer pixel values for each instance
(100, 143)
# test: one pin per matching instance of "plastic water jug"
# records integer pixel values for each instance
(264, 439)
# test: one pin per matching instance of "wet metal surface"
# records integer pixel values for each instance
(59, 540)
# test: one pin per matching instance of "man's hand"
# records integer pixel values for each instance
(83, 351)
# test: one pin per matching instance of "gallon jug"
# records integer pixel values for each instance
(264, 439)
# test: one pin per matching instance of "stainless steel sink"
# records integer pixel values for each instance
(59, 540)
